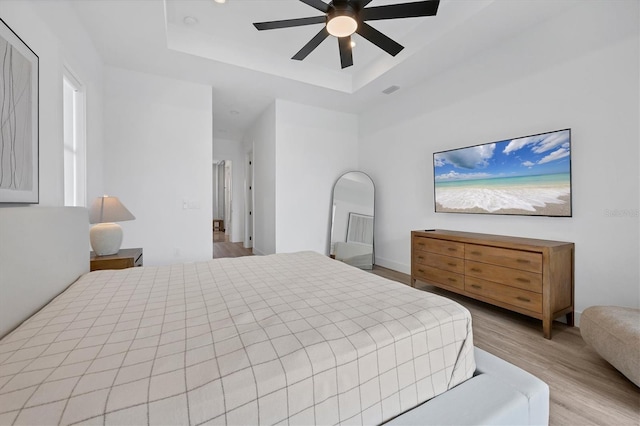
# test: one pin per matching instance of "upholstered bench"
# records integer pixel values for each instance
(614, 332)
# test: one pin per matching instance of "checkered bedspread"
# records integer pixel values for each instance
(289, 339)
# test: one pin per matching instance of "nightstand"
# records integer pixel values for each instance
(125, 258)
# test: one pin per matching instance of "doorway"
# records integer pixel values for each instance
(223, 212)
(222, 201)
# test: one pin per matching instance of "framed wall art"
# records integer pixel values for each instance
(19, 176)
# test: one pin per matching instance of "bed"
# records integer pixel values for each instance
(290, 338)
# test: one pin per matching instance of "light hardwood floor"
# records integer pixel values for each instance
(585, 389)
(223, 248)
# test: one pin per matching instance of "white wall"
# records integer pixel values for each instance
(261, 138)
(297, 158)
(53, 31)
(314, 147)
(225, 149)
(158, 146)
(579, 70)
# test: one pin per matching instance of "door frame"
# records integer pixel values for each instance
(249, 198)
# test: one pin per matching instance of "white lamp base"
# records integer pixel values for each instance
(106, 238)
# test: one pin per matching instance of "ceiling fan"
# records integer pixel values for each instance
(344, 17)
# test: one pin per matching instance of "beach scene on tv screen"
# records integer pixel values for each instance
(524, 176)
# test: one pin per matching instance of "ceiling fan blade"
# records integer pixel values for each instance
(402, 10)
(313, 43)
(346, 53)
(317, 4)
(361, 3)
(379, 39)
(287, 23)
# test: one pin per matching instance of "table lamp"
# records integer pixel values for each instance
(105, 235)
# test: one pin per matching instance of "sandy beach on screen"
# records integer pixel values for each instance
(549, 209)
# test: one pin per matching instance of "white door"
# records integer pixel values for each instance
(228, 199)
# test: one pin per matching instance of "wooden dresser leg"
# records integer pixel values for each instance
(547, 324)
(570, 319)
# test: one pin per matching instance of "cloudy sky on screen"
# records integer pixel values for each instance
(547, 153)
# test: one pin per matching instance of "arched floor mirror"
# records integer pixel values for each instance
(352, 220)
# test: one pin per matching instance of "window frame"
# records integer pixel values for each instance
(75, 192)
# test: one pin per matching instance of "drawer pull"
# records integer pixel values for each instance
(476, 253)
(453, 280)
(523, 261)
(476, 269)
(524, 299)
(476, 286)
(421, 270)
(421, 257)
(523, 280)
(421, 244)
(452, 249)
(452, 264)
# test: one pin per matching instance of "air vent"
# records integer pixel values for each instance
(389, 90)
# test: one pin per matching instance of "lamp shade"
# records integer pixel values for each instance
(108, 209)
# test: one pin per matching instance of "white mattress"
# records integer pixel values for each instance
(289, 338)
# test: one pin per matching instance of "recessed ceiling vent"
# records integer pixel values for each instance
(389, 90)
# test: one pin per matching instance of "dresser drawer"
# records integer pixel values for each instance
(432, 245)
(448, 263)
(507, 276)
(516, 259)
(438, 276)
(506, 294)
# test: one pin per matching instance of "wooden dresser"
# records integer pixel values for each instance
(525, 275)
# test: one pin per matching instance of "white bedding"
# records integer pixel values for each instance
(289, 338)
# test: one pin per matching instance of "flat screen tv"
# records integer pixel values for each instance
(530, 175)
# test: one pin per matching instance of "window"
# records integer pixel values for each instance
(74, 141)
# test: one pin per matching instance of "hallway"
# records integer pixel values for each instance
(223, 248)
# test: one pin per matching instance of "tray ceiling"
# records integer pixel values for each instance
(224, 32)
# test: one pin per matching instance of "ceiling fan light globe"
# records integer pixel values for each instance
(342, 25)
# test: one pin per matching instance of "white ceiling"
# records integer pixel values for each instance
(248, 69)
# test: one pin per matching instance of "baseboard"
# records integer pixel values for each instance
(257, 252)
(390, 264)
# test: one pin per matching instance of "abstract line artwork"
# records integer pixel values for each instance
(18, 120)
